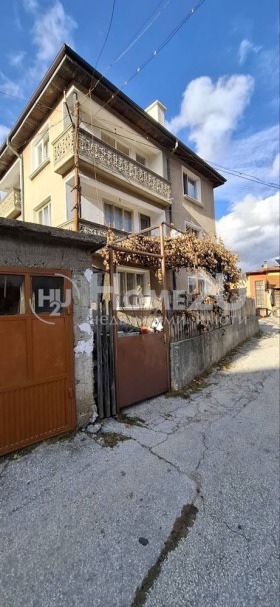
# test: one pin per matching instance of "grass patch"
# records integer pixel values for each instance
(111, 439)
(132, 420)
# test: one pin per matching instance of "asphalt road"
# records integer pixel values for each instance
(176, 505)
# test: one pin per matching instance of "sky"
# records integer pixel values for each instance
(218, 76)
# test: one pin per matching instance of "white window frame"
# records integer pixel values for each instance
(142, 158)
(145, 299)
(39, 142)
(201, 281)
(47, 203)
(188, 174)
(120, 208)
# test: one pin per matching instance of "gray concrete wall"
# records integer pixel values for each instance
(191, 357)
(23, 251)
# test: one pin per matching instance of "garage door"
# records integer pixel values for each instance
(36, 350)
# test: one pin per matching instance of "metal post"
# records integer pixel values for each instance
(76, 167)
(115, 329)
(164, 313)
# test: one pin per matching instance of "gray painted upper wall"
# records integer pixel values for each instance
(184, 209)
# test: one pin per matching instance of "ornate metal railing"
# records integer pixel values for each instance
(10, 205)
(98, 152)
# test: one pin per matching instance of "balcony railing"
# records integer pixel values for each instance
(101, 154)
(10, 205)
(89, 227)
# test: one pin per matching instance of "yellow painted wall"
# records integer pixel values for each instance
(46, 182)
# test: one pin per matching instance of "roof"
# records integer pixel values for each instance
(68, 68)
(267, 270)
(22, 229)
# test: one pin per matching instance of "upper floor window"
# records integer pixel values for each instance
(44, 214)
(118, 218)
(114, 144)
(191, 186)
(141, 159)
(40, 149)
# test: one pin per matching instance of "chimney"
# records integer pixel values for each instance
(156, 110)
(264, 264)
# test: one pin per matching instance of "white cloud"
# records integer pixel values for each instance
(211, 111)
(253, 154)
(16, 59)
(251, 230)
(274, 171)
(31, 6)
(3, 133)
(50, 30)
(245, 48)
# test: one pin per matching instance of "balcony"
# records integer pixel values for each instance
(106, 159)
(10, 205)
(89, 227)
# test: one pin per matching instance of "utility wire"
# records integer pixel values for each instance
(25, 99)
(108, 32)
(142, 30)
(152, 56)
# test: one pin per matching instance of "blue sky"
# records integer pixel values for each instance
(218, 78)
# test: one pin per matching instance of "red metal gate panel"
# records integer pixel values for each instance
(36, 371)
(141, 368)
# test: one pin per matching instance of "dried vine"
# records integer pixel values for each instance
(182, 251)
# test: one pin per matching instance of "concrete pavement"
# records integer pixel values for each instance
(175, 505)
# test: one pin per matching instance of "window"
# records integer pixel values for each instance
(141, 159)
(118, 218)
(190, 187)
(123, 149)
(145, 222)
(112, 142)
(192, 228)
(44, 215)
(133, 289)
(260, 293)
(11, 295)
(47, 294)
(194, 284)
(40, 150)
(107, 139)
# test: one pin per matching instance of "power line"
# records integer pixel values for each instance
(108, 32)
(153, 55)
(25, 99)
(142, 30)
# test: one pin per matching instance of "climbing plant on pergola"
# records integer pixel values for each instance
(184, 250)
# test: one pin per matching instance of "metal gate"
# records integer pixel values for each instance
(36, 357)
(142, 369)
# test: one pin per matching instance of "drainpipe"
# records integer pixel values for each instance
(21, 181)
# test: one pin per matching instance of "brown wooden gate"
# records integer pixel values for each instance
(36, 357)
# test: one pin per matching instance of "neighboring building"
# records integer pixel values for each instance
(133, 172)
(264, 286)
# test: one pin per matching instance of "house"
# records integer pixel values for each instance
(132, 174)
(263, 285)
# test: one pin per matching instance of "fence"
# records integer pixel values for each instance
(188, 323)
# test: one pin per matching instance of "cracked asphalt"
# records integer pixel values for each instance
(181, 512)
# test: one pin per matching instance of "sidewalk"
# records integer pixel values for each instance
(174, 506)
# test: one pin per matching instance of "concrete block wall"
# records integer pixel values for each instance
(191, 357)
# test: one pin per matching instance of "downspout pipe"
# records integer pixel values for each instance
(20, 176)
